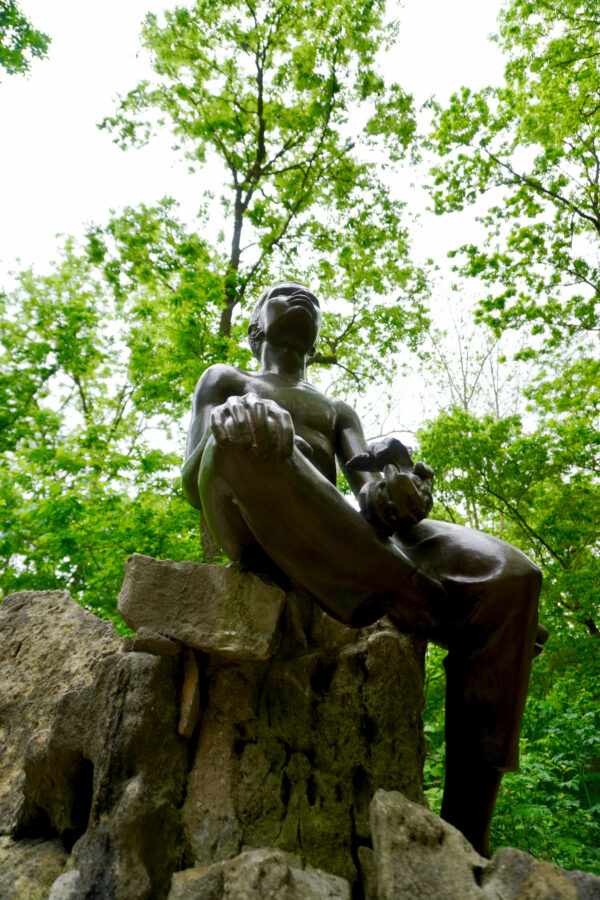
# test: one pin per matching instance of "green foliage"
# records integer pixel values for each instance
(20, 42)
(527, 154)
(82, 483)
(100, 356)
(266, 90)
(549, 807)
(537, 488)
(532, 146)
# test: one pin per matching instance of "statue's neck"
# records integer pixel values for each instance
(286, 362)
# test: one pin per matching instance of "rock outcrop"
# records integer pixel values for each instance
(302, 718)
(419, 855)
(91, 752)
(48, 645)
(280, 760)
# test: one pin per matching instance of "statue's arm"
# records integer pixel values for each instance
(394, 500)
(350, 441)
(214, 387)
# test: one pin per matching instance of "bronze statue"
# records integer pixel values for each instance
(261, 464)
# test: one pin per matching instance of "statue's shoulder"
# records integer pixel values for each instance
(222, 374)
(346, 415)
(219, 382)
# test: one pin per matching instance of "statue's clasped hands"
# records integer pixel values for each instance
(256, 424)
(403, 496)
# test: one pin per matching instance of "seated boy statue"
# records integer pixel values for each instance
(261, 464)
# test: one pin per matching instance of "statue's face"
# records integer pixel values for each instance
(290, 315)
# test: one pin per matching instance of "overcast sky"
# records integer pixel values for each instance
(59, 171)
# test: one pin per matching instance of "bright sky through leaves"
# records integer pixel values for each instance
(60, 172)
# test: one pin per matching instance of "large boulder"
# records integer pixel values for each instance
(49, 645)
(418, 856)
(91, 754)
(110, 775)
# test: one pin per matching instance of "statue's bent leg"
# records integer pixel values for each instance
(486, 615)
(313, 534)
(486, 690)
(493, 592)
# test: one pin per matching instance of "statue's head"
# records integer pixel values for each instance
(291, 290)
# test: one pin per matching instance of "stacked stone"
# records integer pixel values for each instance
(242, 746)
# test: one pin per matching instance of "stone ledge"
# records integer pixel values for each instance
(216, 609)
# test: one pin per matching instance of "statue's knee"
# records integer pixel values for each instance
(219, 457)
(215, 469)
(533, 580)
(522, 574)
(233, 464)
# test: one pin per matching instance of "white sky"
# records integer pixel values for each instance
(60, 172)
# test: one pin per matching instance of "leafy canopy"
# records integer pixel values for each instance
(82, 482)
(532, 146)
(20, 42)
(267, 91)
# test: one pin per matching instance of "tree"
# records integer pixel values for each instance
(533, 146)
(266, 90)
(527, 471)
(82, 482)
(20, 42)
(104, 351)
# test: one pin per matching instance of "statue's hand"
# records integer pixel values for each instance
(261, 426)
(403, 497)
(400, 500)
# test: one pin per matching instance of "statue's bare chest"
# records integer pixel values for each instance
(309, 409)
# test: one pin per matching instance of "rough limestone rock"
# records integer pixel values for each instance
(110, 775)
(217, 609)
(126, 761)
(29, 867)
(420, 857)
(284, 752)
(289, 751)
(148, 641)
(257, 875)
(48, 645)
(515, 875)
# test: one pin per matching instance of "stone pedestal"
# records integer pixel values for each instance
(300, 719)
(289, 753)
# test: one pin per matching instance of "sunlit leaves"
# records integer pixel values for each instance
(20, 42)
(90, 374)
(533, 146)
(267, 90)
